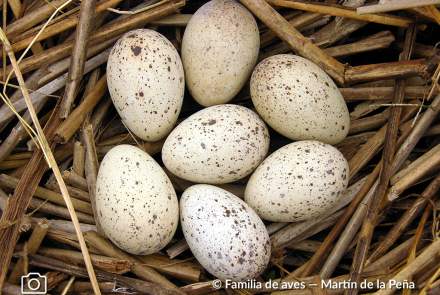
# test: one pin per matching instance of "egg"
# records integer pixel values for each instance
(299, 181)
(298, 99)
(219, 51)
(225, 235)
(135, 201)
(146, 83)
(216, 145)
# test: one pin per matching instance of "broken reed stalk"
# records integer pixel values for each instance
(135, 284)
(73, 191)
(71, 178)
(104, 263)
(76, 118)
(342, 11)
(286, 32)
(385, 173)
(411, 178)
(147, 273)
(407, 218)
(78, 57)
(79, 156)
(33, 244)
(395, 5)
(52, 163)
(353, 94)
(46, 194)
(68, 20)
(91, 170)
(412, 268)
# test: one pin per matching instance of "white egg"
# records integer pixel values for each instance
(225, 235)
(299, 181)
(219, 51)
(146, 83)
(219, 144)
(298, 99)
(136, 203)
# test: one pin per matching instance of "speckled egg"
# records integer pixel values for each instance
(219, 51)
(299, 100)
(225, 235)
(146, 83)
(136, 203)
(218, 144)
(299, 181)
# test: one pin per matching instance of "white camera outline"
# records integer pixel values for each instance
(31, 279)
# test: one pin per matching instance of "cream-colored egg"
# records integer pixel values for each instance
(136, 203)
(299, 181)
(219, 51)
(146, 83)
(219, 144)
(225, 235)
(299, 100)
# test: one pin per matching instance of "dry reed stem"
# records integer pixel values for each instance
(47, 207)
(353, 94)
(137, 285)
(405, 220)
(78, 56)
(46, 194)
(395, 5)
(56, 84)
(33, 244)
(369, 123)
(295, 40)
(91, 170)
(415, 175)
(79, 156)
(100, 112)
(72, 179)
(74, 121)
(187, 271)
(342, 11)
(50, 29)
(142, 271)
(412, 268)
(178, 248)
(105, 263)
(73, 191)
(66, 225)
(51, 162)
(386, 171)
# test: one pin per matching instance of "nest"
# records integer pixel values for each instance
(383, 58)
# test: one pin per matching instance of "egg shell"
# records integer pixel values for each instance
(299, 100)
(218, 144)
(299, 181)
(146, 83)
(219, 51)
(225, 235)
(136, 203)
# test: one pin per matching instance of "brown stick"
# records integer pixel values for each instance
(104, 263)
(91, 170)
(71, 178)
(79, 155)
(73, 191)
(47, 194)
(74, 121)
(135, 284)
(385, 174)
(395, 5)
(342, 11)
(33, 244)
(78, 57)
(409, 216)
(295, 40)
(353, 94)
(142, 271)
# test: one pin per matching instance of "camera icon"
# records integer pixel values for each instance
(33, 283)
